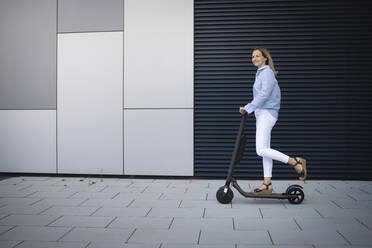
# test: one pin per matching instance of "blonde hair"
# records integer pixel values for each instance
(269, 60)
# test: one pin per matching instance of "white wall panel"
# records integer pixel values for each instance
(158, 142)
(28, 141)
(158, 48)
(90, 103)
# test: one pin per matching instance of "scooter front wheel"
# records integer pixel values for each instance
(224, 195)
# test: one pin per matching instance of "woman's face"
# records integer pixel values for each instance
(258, 59)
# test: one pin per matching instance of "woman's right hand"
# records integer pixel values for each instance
(242, 110)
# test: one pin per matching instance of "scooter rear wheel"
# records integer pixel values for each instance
(224, 195)
(296, 195)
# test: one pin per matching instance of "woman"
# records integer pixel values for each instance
(266, 104)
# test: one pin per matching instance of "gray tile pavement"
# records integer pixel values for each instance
(203, 223)
(123, 211)
(117, 202)
(92, 212)
(177, 212)
(185, 236)
(9, 243)
(251, 224)
(196, 246)
(155, 203)
(58, 202)
(4, 229)
(68, 210)
(22, 209)
(220, 236)
(98, 235)
(51, 244)
(141, 222)
(314, 237)
(121, 245)
(82, 221)
(27, 220)
(17, 201)
(35, 233)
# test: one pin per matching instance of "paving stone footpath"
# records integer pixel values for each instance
(87, 212)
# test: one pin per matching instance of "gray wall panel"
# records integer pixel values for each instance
(90, 15)
(28, 54)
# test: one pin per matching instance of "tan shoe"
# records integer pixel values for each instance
(303, 173)
(267, 191)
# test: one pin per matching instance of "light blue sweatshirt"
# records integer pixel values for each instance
(266, 92)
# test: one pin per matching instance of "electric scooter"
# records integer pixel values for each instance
(224, 195)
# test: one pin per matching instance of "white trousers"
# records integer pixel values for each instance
(264, 124)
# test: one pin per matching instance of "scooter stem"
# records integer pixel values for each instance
(236, 148)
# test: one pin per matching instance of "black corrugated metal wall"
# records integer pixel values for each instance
(323, 54)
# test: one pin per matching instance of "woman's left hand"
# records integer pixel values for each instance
(242, 110)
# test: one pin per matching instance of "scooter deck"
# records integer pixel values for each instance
(271, 196)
